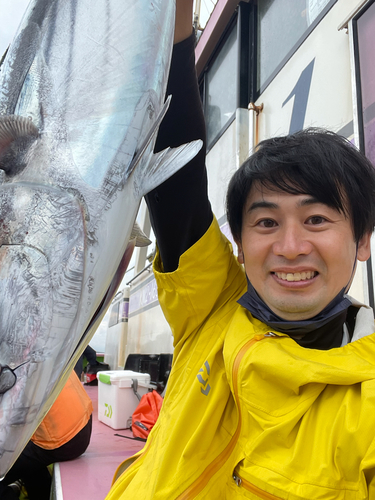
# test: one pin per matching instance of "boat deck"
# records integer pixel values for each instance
(90, 476)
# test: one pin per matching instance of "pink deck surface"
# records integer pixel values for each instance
(90, 476)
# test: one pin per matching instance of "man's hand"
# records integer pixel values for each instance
(184, 20)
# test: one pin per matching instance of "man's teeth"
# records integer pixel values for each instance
(308, 275)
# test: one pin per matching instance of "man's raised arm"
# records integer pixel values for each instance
(179, 209)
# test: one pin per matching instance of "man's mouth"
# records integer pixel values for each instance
(305, 275)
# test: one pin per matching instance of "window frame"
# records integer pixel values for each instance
(244, 18)
(357, 70)
(203, 77)
(359, 119)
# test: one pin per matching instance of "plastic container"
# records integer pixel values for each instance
(116, 399)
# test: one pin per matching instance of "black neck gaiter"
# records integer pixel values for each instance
(323, 331)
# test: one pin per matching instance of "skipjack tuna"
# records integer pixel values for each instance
(81, 98)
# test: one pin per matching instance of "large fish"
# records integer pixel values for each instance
(81, 98)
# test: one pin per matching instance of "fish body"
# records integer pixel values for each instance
(81, 98)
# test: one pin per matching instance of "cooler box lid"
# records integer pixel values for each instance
(123, 378)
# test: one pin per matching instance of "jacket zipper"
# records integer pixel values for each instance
(216, 465)
(240, 482)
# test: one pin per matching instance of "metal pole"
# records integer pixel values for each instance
(254, 111)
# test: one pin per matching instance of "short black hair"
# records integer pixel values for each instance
(313, 161)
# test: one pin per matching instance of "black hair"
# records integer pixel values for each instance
(316, 162)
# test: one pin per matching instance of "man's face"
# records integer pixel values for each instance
(298, 253)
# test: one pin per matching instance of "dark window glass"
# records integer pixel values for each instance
(366, 45)
(220, 87)
(281, 25)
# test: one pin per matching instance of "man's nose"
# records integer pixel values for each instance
(291, 242)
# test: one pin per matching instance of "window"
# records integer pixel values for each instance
(365, 28)
(282, 27)
(364, 40)
(220, 88)
(260, 38)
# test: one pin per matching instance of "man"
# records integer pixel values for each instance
(272, 389)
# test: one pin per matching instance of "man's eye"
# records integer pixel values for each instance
(267, 223)
(316, 220)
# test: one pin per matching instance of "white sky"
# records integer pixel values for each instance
(207, 7)
(11, 12)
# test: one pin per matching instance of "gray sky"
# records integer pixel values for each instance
(11, 12)
(207, 7)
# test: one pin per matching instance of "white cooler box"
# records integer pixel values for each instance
(116, 399)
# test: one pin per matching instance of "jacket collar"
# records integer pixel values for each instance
(324, 331)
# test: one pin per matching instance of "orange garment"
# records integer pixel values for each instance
(67, 416)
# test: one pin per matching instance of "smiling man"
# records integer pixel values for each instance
(301, 210)
(299, 252)
(272, 389)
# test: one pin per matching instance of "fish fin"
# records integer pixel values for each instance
(17, 133)
(13, 127)
(141, 239)
(163, 165)
(129, 154)
(150, 135)
(4, 56)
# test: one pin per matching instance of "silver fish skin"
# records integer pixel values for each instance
(81, 98)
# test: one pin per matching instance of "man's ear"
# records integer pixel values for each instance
(240, 253)
(364, 247)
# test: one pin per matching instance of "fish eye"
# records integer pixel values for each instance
(7, 379)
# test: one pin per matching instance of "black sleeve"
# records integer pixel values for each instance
(180, 211)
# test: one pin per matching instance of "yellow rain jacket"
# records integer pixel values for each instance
(249, 413)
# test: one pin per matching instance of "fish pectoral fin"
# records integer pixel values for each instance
(163, 165)
(150, 135)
